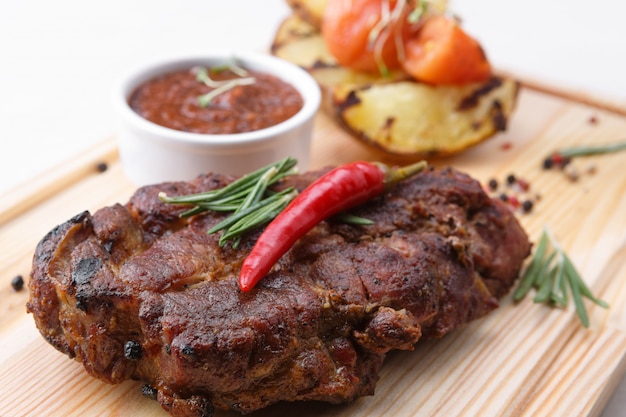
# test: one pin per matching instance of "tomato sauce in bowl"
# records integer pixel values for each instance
(174, 100)
(228, 112)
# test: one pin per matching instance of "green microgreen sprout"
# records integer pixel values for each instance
(220, 87)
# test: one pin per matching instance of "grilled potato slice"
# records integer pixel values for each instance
(298, 41)
(407, 117)
(396, 113)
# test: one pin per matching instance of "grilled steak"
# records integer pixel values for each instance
(134, 291)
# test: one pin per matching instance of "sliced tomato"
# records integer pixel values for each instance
(441, 52)
(351, 30)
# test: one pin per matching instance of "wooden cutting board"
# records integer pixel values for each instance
(524, 359)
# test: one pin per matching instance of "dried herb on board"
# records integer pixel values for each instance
(554, 276)
(562, 157)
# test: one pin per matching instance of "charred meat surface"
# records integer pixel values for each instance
(134, 291)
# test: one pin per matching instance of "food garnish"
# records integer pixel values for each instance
(386, 35)
(248, 197)
(289, 214)
(338, 190)
(385, 27)
(562, 157)
(220, 87)
(366, 35)
(554, 276)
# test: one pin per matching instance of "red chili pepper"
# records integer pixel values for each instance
(342, 188)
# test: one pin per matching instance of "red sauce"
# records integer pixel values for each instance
(171, 100)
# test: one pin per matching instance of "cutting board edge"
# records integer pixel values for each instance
(57, 178)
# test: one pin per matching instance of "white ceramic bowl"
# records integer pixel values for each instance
(151, 153)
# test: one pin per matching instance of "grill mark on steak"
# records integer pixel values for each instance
(317, 327)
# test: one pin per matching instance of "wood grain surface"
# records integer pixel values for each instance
(522, 360)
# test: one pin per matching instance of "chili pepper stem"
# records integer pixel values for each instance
(395, 175)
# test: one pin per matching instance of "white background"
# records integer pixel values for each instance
(59, 61)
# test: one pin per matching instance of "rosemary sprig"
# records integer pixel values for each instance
(560, 158)
(248, 198)
(242, 184)
(591, 150)
(253, 217)
(551, 272)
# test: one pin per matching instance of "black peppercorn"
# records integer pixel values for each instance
(102, 167)
(510, 179)
(493, 184)
(17, 283)
(527, 206)
(548, 163)
(132, 350)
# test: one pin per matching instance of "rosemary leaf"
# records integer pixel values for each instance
(533, 272)
(220, 207)
(259, 217)
(353, 219)
(543, 291)
(592, 150)
(551, 274)
(584, 290)
(202, 207)
(562, 298)
(558, 295)
(578, 300)
(231, 220)
(254, 196)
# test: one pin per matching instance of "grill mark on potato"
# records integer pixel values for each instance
(473, 98)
